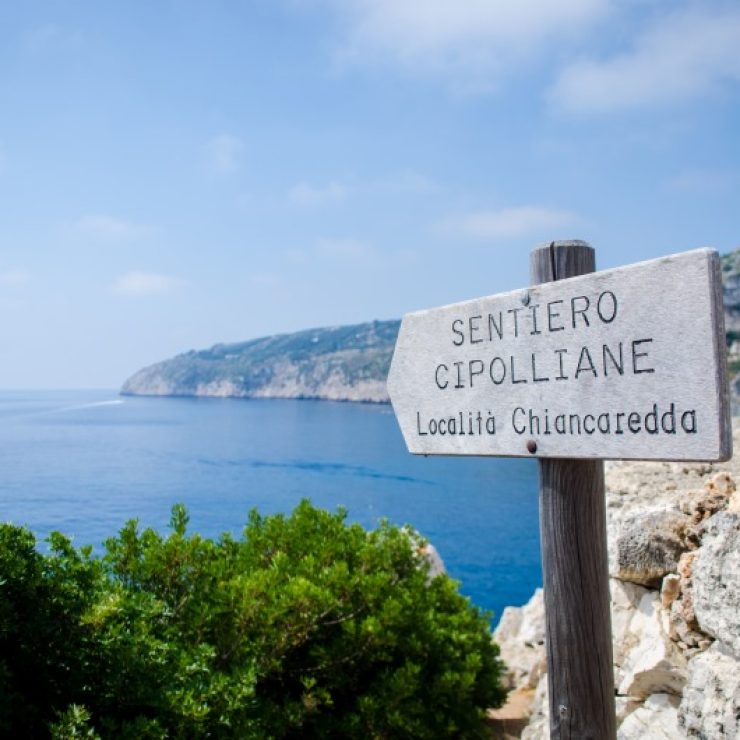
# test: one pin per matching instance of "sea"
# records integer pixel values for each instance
(85, 462)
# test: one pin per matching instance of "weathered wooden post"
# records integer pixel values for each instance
(581, 367)
(574, 561)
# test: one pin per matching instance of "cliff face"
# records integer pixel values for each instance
(731, 281)
(674, 561)
(347, 363)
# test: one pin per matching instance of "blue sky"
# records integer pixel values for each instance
(176, 174)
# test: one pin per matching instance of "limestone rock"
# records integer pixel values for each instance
(539, 724)
(670, 589)
(625, 599)
(649, 546)
(654, 664)
(432, 556)
(656, 719)
(521, 637)
(711, 701)
(716, 580)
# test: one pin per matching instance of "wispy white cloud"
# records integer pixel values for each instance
(679, 57)
(109, 227)
(224, 153)
(145, 283)
(508, 222)
(14, 276)
(479, 38)
(307, 195)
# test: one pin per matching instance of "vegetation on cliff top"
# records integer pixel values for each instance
(304, 627)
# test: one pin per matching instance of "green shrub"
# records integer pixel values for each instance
(304, 627)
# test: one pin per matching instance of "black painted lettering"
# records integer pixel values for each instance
(688, 422)
(618, 364)
(534, 423)
(491, 423)
(520, 410)
(582, 311)
(634, 422)
(472, 373)
(534, 372)
(533, 310)
(577, 419)
(513, 373)
(501, 374)
(442, 427)
(459, 383)
(458, 332)
(585, 363)
(668, 420)
(552, 315)
(651, 420)
(436, 376)
(606, 306)
(593, 422)
(620, 416)
(560, 423)
(515, 312)
(493, 326)
(637, 355)
(604, 423)
(421, 432)
(561, 375)
(474, 329)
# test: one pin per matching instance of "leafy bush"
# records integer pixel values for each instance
(304, 627)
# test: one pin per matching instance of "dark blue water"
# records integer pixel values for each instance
(84, 462)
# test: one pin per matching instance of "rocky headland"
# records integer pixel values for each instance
(674, 562)
(344, 363)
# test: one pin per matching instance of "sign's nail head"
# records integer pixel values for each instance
(531, 446)
(563, 711)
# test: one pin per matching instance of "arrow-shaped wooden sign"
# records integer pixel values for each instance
(628, 363)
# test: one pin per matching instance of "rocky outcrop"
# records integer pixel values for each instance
(345, 363)
(674, 558)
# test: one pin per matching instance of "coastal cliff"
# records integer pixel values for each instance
(674, 562)
(345, 363)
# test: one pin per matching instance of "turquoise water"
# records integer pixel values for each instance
(83, 462)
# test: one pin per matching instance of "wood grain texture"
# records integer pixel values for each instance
(574, 564)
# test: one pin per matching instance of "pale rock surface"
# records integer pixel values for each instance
(538, 727)
(710, 707)
(654, 665)
(656, 719)
(716, 580)
(625, 598)
(521, 637)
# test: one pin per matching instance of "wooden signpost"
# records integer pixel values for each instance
(580, 367)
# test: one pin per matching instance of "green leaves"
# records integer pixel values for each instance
(306, 626)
